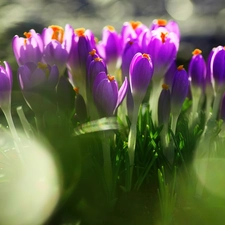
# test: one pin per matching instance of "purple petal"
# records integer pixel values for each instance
(122, 92)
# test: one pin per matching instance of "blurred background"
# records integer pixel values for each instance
(201, 21)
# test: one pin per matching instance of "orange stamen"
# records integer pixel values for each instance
(161, 22)
(135, 24)
(76, 89)
(111, 28)
(80, 32)
(196, 52)
(165, 86)
(181, 67)
(147, 56)
(58, 33)
(27, 34)
(163, 36)
(92, 52)
(110, 78)
(97, 59)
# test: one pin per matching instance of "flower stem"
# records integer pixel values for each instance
(8, 116)
(132, 145)
(107, 162)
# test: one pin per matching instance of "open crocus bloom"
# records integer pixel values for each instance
(162, 47)
(28, 49)
(57, 45)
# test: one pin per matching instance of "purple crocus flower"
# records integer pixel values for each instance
(106, 95)
(6, 79)
(163, 47)
(218, 66)
(78, 59)
(109, 48)
(28, 49)
(197, 70)
(141, 71)
(38, 84)
(179, 89)
(171, 26)
(132, 31)
(57, 45)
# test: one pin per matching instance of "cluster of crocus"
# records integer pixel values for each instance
(134, 63)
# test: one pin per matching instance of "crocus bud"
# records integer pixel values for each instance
(106, 95)
(96, 66)
(197, 70)
(5, 85)
(141, 71)
(169, 76)
(77, 61)
(179, 89)
(28, 49)
(218, 66)
(164, 105)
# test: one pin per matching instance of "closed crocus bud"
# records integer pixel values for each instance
(57, 45)
(141, 71)
(77, 62)
(96, 66)
(164, 105)
(91, 56)
(106, 95)
(179, 89)
(28, 49)
(5, 85)
(38, 84)
(218, 66)
(169, 76)
(163, 47)
(197, 70)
